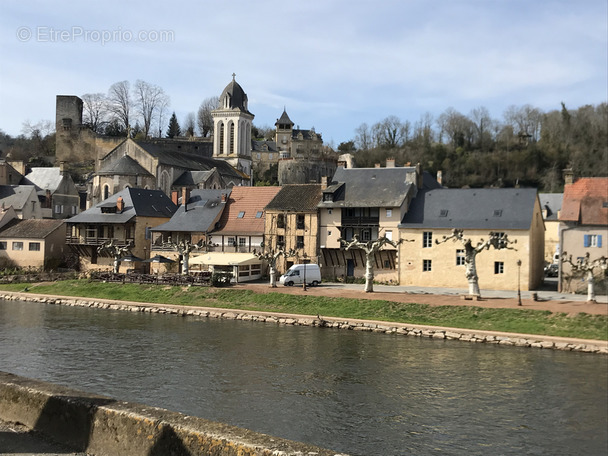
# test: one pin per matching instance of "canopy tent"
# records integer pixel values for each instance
(225, 259)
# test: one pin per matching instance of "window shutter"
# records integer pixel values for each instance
(599, 240)
(586, 242)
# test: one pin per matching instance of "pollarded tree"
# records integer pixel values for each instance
(271, 257)
(184, 247)
(115, 251)
(586, 266)
(370, 248)
(498, 241)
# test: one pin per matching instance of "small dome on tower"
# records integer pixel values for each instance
(233, 97)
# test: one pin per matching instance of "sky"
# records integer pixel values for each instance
(332, 64)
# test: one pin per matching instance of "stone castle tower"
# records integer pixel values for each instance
(232, 128)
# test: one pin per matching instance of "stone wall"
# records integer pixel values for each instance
(304, 171)
(104, 426)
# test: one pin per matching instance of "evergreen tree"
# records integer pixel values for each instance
(174, 129)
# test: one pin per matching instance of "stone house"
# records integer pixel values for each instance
(369, 203)
(32, 243)
(551, 205)
(23, 198)
(126, 218)
(434, 213)
(56, 191)
(11, 173)
(292, 222)
(584, 225)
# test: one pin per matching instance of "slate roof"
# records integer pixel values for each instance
(258, 146)
(370, 187)
(487, 208)
(550, 204)
(15, 195)
(586, 202)
(138, 203)
(284, 119)
(190, 178)
(204, 209)
(238, 97)
(124, 166)
(44, 178)
(297, 198)
(250, 201)
(30, 229)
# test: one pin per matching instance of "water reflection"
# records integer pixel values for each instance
(362, 393)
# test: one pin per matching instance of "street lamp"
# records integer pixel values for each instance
(518, 282)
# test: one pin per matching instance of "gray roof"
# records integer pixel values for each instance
(284, 119)
(30, 229)
(258, 146)
(236, 96)
(204, 209)
(370, 187)
(487, 208)
(297, 198)
(138, 203)
(189, 178)
(550, 204)
(15, 195)
(124, 166)
(44, 178)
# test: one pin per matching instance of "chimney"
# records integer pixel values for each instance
(185, 197)
(377, 165)
(61, 167)
(568, 176)
(174, 197)
(49, 199)
(324, 180)
(390, 162)
(440, 177)
(120, 205)
(224, 197)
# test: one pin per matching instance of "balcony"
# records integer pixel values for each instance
(93, 240)
(355, 220)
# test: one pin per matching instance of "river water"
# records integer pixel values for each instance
(354, 392)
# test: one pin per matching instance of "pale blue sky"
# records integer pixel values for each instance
(334, 64)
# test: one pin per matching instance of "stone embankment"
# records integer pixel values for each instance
(434, 332)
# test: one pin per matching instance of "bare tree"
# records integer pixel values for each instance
(116, 252)
(95, 111)
(370, 248)
(271, 257)
(483, 127)
(525, 120)
(120, 103)
(161, 115)
(498, 241)
(388, 132)
(205, 120)
(586, 266)
(363, 138)
(189, 124)
(184, 247)
(148, 100)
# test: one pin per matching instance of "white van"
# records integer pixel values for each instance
(295, 275)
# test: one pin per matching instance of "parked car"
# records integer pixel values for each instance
(295, 275)
(552, 270)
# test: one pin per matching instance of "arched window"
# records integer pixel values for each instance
(231, 145)
(165, 183)
(106, 192)
(221, 139)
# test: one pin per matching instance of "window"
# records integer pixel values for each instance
(389, 213)
(300, 242)
(259, 155)
(241, 214)
(592, 240)
(460, 257)
(427, 265)
(427, 239)
(259, 214)
(242, 242)
(3, 245)
(300, 221)
(443, 213)
(498, 213)
(499, 267)
(329, 211)
(58, 209)
(232, 241)
(269, 156)
(280, 221)
(388, 234)
(366, 235)
(281, 241)
(17, 245)
(34, 246)
(74, 210)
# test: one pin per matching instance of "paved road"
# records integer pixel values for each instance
(18, 440)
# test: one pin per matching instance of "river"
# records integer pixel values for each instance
(354, 392)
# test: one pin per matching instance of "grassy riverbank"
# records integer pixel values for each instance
(470, 317)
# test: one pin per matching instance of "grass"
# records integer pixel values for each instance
(470, 317)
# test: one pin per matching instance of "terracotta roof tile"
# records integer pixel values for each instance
(248, 201)
(586, 201)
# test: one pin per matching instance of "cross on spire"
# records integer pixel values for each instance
(233, 76)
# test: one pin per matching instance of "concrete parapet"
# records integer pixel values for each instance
(106, 427)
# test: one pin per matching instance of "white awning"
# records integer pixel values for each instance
(225, 259)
